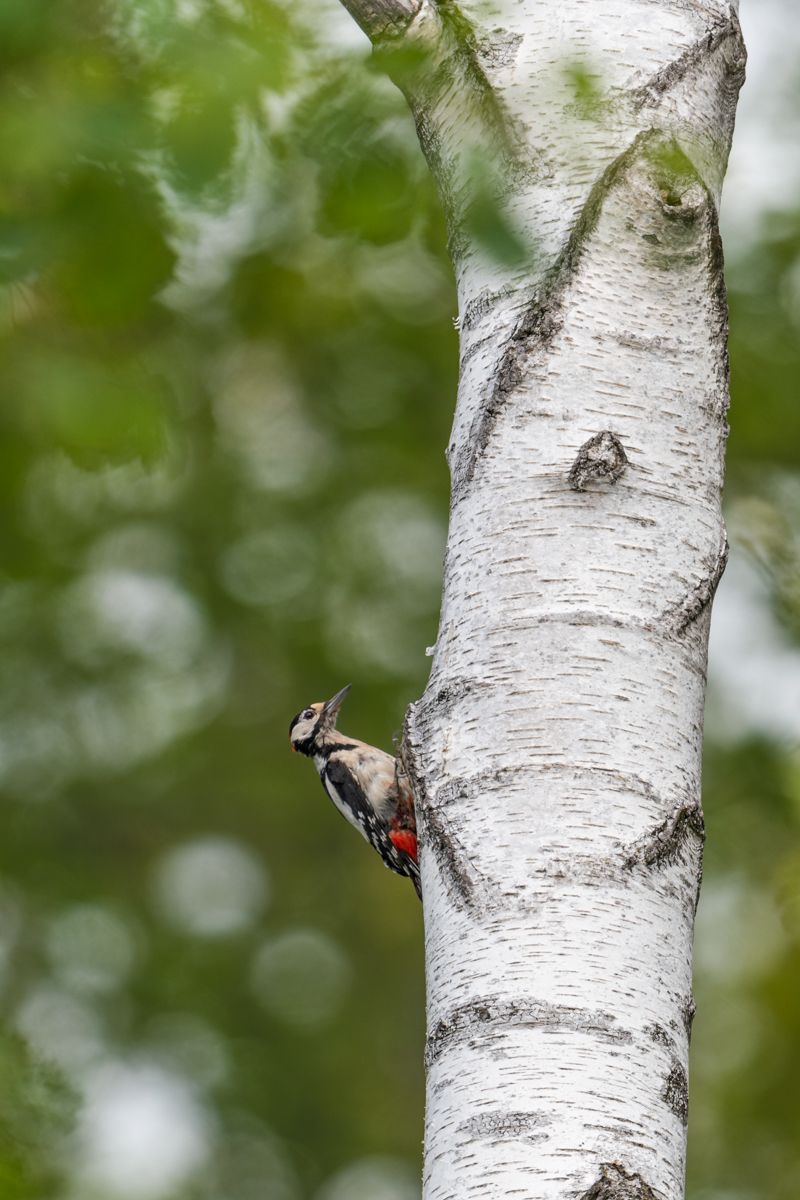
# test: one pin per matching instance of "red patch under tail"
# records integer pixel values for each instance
(405, 841)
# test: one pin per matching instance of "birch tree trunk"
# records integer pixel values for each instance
(555, 754)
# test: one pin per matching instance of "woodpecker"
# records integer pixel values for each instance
(363, 783)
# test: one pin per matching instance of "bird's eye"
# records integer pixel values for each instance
(309, 713)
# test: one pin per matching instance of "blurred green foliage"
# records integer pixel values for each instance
(228, 377)
(36, 1110)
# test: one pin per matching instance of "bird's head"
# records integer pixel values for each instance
(307, 730)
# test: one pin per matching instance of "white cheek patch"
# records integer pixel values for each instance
(303, 730)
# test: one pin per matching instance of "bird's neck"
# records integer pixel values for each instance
(325, 743)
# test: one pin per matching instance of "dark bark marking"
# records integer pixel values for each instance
(491, 1014)
(583, 616)
(667, 840)
(683, 615)
(484, 303)
(633, 341)
(534, 331)
(543, 318)
(649, 94)
(676, 1093)
(499, 48)
(432, 828)
(448, 694)
(431, 144)
(601, 458)
(407, 757)
(687, 1012)
(471, 786)
(659, 1035)
(450, 856)
(623, 779)
(653, 849)
(502, 1126)
(615, 1183)
(467, 354)
(719, 305)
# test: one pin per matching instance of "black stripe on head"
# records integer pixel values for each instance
(308, 716)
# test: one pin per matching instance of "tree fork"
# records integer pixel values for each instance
(555, 754)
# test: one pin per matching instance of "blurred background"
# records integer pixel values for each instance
(228, 370)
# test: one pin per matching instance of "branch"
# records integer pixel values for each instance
(383, 18)
(433, 53)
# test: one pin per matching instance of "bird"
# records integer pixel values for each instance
(364, 784)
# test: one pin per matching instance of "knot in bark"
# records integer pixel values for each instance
(615, 1183)
(601, 458)
(676, 1093)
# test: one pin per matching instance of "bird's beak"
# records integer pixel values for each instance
(332, 706)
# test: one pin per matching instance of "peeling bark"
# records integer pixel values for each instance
(555, 754)
(495, 1125)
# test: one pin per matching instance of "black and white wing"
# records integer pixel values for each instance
(344, 789)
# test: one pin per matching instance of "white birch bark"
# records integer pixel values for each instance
(555, 755)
